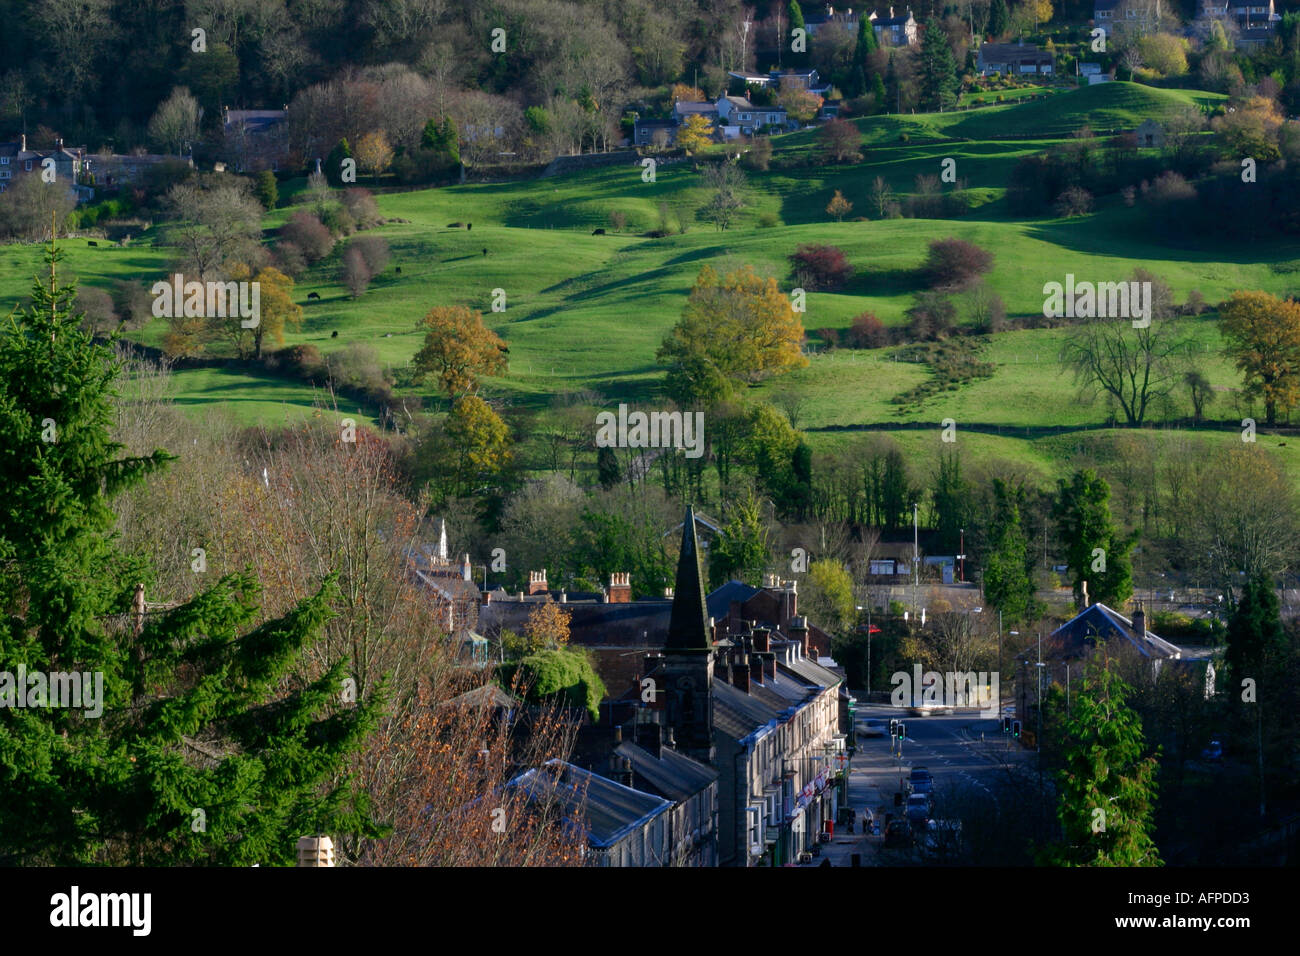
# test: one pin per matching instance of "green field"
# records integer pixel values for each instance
(588, 312)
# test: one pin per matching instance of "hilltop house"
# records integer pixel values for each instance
(895, 30)
(1134, 16)
(1256, 20)
(738, 116)
(69, 165)
(1014, 59)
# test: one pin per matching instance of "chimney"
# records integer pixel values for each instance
(564, 598)
(23, 147)
(799, 633)
(537, 581)
(618, 734)
(1140, 621)
(769, 666)
(1086, 603)
(668, 593)
(620, 588)
(466, 569)
(650, 736)
(315, 851)
(740, 673)
(756, 670)
(669, 741)
(624, 775)
(762, 639)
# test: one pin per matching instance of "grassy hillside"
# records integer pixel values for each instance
(588, 312)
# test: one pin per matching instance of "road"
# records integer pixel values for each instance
(950, 746)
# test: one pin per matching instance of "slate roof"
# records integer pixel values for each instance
(737, 714)
(719, 602)
(1101, 621)
(609, 811)
(672, 775)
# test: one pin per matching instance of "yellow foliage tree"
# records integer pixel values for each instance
(695, 134)
(839, 207)
(458, 348)
(739, 328)
(547, 627)
(373, 154)
(1263, 334)
(479, 444)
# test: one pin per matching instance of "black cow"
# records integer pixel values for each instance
(313, 295)
(598, 232)
(485, 252)
(399, 270)
(91, 242)
(469, 226)
(334, 334)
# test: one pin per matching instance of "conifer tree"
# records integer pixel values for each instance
(207, 747)
(1107, 788)
(938, 71)
(1084, 522)
(334, 163)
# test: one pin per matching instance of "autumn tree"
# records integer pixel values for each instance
(458, 349)
(547, 626)
(735, 329)
(374, 155)
(839, 207)
(829, 598)
(277, 310)
(477, 445)
(800, 105)
(1263, 335)
(695, 133)
(1250, 129)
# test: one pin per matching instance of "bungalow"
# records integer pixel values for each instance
(1014, 59)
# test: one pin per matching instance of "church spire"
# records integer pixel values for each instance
(688, 627)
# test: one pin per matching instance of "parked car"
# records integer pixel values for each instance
(1213, 750)
(918, 808)
(898, 833)
(872, 728)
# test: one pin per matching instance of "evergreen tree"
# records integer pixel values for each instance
(938, 71)
(858, 82)
(878, 92)
(266, 189)
(741, 551)
(1107, 788)
(951, 496)
(334, 163)
(1256, 640)
(1085, 526)
(607, 468)
(205, 749)
(999, 18)
(796, 23)
(1007, 584)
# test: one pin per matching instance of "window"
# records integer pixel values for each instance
(4, 160)
(29, 165)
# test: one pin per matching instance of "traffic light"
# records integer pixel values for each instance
(1006, 725)
(893, 728)
(1015, 728)
(902, 730)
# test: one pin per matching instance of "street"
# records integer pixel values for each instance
(963, 751)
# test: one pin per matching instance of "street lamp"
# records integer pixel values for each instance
(868, 646)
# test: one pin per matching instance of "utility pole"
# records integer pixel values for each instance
(916, 553)
(961, 568)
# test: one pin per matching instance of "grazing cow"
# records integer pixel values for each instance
(469, 226)
(399, 270)
(485, 251)
(91, 242)
(313, 295)
(598, 232)
(334, 334)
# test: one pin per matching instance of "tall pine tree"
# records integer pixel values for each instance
(999, 18)
(860, 69)
(1007, 584)
(207, 748)
(938, 71)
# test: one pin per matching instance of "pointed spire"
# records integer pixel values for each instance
(688, 628)
(442, 541)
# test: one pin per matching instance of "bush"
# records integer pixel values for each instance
(303, 361)
(1075, 201)
(339, 221)
(356, 274)
(830, 336)
(361, 206)
(954, 264)
(932, 316)
(132, 303)
(357, 368)
(759, 155)
(266, 189)
(375, 251)
(867, 332)
(289, 259)
(309, 234)
(820, 267)
(768, 220)
(618, 220)
(564, 675)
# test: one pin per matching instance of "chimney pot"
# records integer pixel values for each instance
(315, 851)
